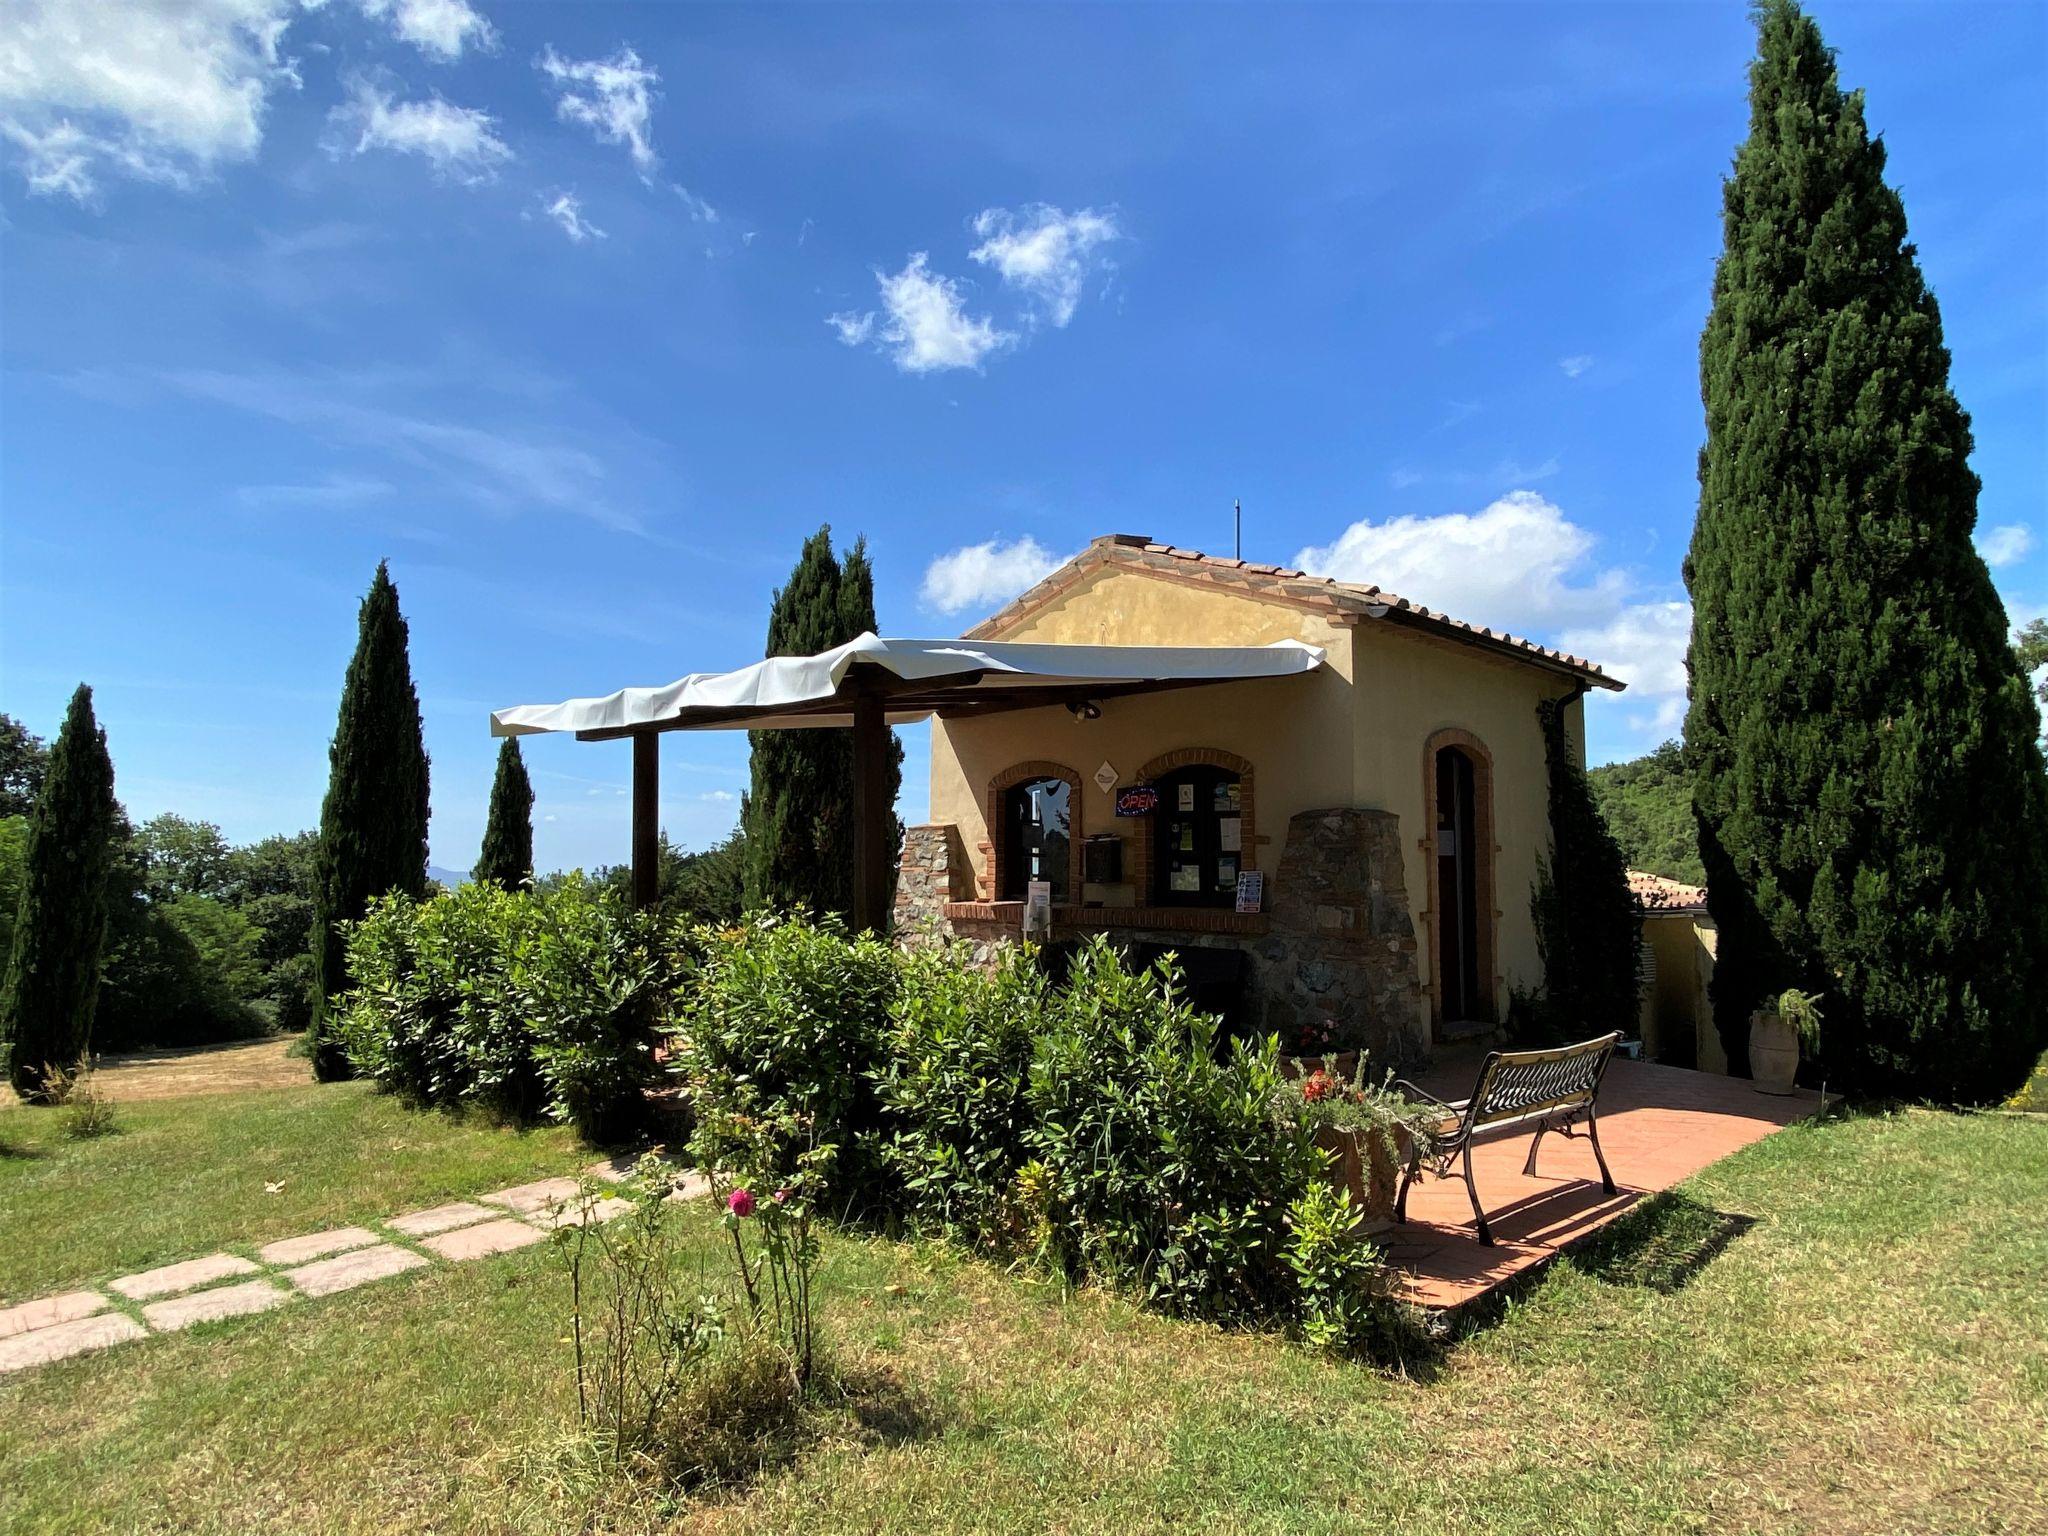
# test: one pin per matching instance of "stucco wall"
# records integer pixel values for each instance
(1410, 687)
(1296, 730)
(1351, 734)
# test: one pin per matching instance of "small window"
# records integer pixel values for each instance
(1036, 839)
(1198, 841)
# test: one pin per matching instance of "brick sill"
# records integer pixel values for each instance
(1010, 914)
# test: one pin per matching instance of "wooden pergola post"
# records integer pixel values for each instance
(872, 814)
(646, 818)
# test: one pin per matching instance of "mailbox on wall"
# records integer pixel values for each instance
(1102, 859)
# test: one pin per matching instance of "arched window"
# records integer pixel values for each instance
(1037, 834)
(1198, 844)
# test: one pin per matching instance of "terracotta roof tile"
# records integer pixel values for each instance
(1656, 893)
(1326, 593)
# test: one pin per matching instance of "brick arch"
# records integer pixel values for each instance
(992, 864)
(1484, 850)
(1189, 757)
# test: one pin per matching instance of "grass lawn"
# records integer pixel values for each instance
(186, 1176)
(1870, 1353)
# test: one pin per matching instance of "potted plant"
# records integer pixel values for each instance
(1366, 1128)
(1776, 1032)
(1315, 1050)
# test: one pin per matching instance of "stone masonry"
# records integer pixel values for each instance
(933, 870)
(1336, 941)
(1342, 944)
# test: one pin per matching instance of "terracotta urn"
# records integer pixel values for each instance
(1365, 1168)
(1773, 1052)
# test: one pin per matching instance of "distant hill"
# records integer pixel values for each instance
(1648, 806)
(448, 877)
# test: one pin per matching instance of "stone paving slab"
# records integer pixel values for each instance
(500, 1236)
(316, 1245)
(349, 1270)
(439, 1218)
(581, 1213)
(541, 1195)
(188, 1276)
(63, 1340)
(691, 1186)
(50, 1311)
(211, 1306)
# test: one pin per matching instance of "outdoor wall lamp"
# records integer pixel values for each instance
(1084, 709)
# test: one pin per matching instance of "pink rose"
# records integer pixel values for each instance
(779, 1196)
(740, 1202)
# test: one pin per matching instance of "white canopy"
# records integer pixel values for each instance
(913, 677)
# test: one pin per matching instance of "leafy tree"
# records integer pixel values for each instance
(373, 825)
(798, 815)
(1647, 805)
(2030, 647)
(708, 884)
(13, 870)
(23, 762)
(1872, 807)
(1586, 918)
(60, 927)
(272, 884)
(508, 832)
(182, 857)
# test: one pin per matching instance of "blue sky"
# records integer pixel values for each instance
(584, 315)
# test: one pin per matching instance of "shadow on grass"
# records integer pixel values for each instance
(1661, 1244)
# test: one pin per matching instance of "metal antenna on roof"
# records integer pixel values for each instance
(1237, 513)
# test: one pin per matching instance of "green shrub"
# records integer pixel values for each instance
(520, 1003)
(591, 981)
(1157, 1160)
(959, 1063)
(1339, 1280)
(789, 1016)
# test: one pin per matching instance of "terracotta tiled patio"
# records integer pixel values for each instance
(1658, 1125)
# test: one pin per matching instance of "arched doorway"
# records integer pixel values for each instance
(1458, 789)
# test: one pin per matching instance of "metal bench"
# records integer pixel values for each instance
(1554, 1089)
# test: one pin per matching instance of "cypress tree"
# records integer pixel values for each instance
(508, 833)
(1586, 917)
(60, 928)
(798, 812)
(1872, 808)
(373, 825)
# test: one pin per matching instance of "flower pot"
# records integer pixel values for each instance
(1773, 1052)
(1364, 1167)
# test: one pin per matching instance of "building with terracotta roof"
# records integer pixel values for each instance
(1678, 949)
(1355, 845)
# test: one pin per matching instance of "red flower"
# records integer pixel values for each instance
(1317, 1086)
(740, 1202)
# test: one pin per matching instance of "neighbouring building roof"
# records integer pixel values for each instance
(1137, 553)
(1654, 893)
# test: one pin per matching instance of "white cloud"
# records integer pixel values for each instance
(853, 328)
(1045, 252)
(924, 325)
(567, 211)
(985, 575)
(150, 90)
(611, 97)
(442, 28)
(459, 142)
(333, 492)
(1509, 565)
(1643, 645)
(2006, 545)
(700, 210)
(1576, 364)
